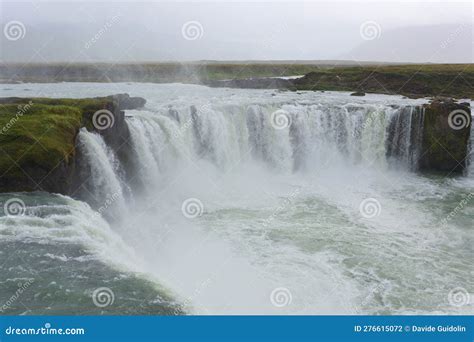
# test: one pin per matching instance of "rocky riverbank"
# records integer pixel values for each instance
(413, 81)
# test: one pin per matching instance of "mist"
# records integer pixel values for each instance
(163, 31)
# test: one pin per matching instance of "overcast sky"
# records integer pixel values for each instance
(402, 31)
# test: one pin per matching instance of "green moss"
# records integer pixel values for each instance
(36, 136)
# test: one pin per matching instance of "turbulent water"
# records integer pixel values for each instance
(247, 202)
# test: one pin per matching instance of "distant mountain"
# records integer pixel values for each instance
(426, 44)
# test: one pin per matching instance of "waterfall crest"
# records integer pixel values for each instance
(314, 135)
(285, 138)
(307, 138)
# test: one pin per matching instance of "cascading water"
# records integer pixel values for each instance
(405, 136)
(104, 182)
(226, 136)
(470, 171)
(252, 201)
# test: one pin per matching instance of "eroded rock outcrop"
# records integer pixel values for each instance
(446, 131)
(38, 139)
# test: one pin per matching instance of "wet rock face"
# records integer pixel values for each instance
(446, 131)
(116, 136)
(125, 101)
(57, 165)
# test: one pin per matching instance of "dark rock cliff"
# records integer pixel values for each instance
(47, 133)
(446, 132)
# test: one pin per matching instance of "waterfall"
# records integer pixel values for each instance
(316, 136)
(470, 170)
(103, 186)
(285, 138)
(405, 132)
(263, 177)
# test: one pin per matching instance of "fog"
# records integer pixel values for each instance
(111, 31)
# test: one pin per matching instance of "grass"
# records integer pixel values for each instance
(414, 80)
(41, 137)
(147, 72)
(38, 134)
(451, 80)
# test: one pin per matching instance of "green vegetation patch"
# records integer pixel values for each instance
(414, 80)
(38, 134)
(34, 135)
(422, 80)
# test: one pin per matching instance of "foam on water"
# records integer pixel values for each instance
(65, 220)
(281, 206)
